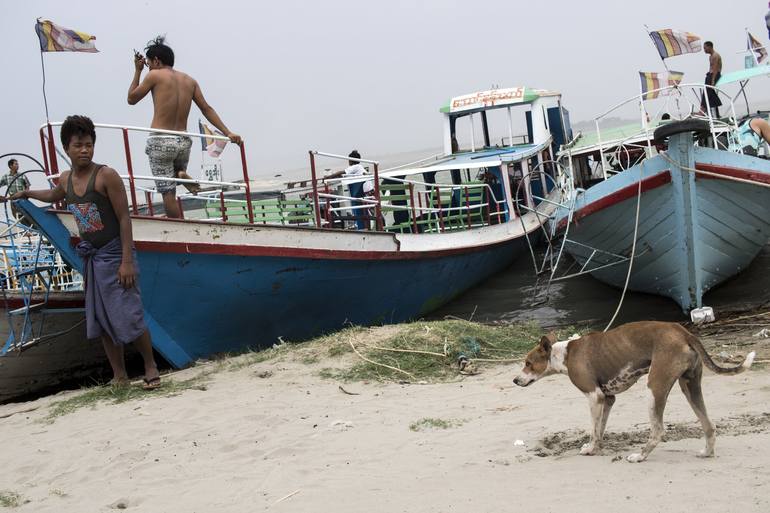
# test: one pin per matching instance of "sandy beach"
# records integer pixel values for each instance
(276, 436)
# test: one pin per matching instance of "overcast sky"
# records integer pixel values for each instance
(337, 74)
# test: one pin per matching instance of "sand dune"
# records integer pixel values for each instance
(291, 441)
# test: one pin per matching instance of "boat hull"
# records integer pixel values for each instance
(695, 231)
(214, 287)
(44, 365)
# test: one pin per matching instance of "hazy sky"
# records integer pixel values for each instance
(335, 75)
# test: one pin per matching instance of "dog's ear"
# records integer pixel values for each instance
(546, 341)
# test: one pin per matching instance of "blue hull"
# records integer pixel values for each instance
(695, 230)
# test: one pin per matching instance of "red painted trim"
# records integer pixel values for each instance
(195, 248)
(732, 172)
(321, 254)
(53, 303)
(618, 196)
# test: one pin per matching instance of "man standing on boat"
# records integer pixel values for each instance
(96, 197)
(15, 183)
(712, 77)
(172, 95)
(357, 189)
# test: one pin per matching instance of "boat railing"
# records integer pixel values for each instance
(52, 167)
(427, 203)
(678, 105)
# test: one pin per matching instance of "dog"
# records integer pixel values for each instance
(602, 365)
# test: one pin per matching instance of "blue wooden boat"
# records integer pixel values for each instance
(246, 272)
(704, 211)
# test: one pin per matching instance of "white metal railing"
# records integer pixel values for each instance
(53, 171)
(675, 93)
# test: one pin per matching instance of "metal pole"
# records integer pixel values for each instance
(414, 214)
(150, 208)
(222, 205)
(130, 173)
(510, 127)
(246, 182)
(316, 208)
(45, 153)
(377, 206)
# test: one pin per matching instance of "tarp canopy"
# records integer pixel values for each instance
(743, 74)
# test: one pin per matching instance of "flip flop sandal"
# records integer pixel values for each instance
(151, 384)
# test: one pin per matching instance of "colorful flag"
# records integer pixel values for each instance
(757, 47)
(54, 38)
(652, 81)
(675, 42)
(213, 146)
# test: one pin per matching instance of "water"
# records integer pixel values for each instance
(516, 295)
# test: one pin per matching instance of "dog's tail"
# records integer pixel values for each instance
(693, 341)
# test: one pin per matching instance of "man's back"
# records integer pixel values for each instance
(172, 95)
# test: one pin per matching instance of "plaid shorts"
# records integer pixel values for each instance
(168, 155)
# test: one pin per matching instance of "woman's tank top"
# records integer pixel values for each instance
(93, 212)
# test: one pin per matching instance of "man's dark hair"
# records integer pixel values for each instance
(708, 43)
(12, 162)
(76, 125)
(354, 154)
(158, 48)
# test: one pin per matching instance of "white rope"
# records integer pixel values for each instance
(633, 246)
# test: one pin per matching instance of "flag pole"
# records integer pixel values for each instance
(649, 35)
(42, 65)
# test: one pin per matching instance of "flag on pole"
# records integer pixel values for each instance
(54, 38)
(213, 146)
(675, 42)
(758, 48)
(652, 81)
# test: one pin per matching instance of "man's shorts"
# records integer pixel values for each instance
(168, 154)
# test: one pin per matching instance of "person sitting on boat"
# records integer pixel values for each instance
(712, 77)
(96, 197)
(752, 133)
(357, 189)
(15, 183)
(172, 95)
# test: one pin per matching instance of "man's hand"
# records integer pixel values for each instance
(18, 195)
(127, 274)
(138, 62)
(234, 138)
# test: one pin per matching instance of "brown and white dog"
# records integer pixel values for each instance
(603, 365)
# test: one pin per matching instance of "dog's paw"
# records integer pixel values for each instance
(635, 458)
(705, 453)
(588, 450)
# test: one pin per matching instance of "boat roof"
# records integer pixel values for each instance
(630, 133)
(743, 74)
(493, 99)
(488, 157)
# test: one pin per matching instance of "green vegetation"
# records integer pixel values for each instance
(431, 423)
(436, 351)
(10, 499)
(116, 394)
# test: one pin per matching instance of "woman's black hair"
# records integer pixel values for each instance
(76, 125)
(158, 48)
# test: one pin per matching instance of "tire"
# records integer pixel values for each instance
(698, 126)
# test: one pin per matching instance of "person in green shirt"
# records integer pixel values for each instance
(15, 183)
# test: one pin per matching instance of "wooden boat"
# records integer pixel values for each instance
(42, 327)
(703, 209)
(247, 273)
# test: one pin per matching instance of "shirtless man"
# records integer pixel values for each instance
(172, 95)
(712, 77)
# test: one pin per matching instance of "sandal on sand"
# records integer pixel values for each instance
(152, 383)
